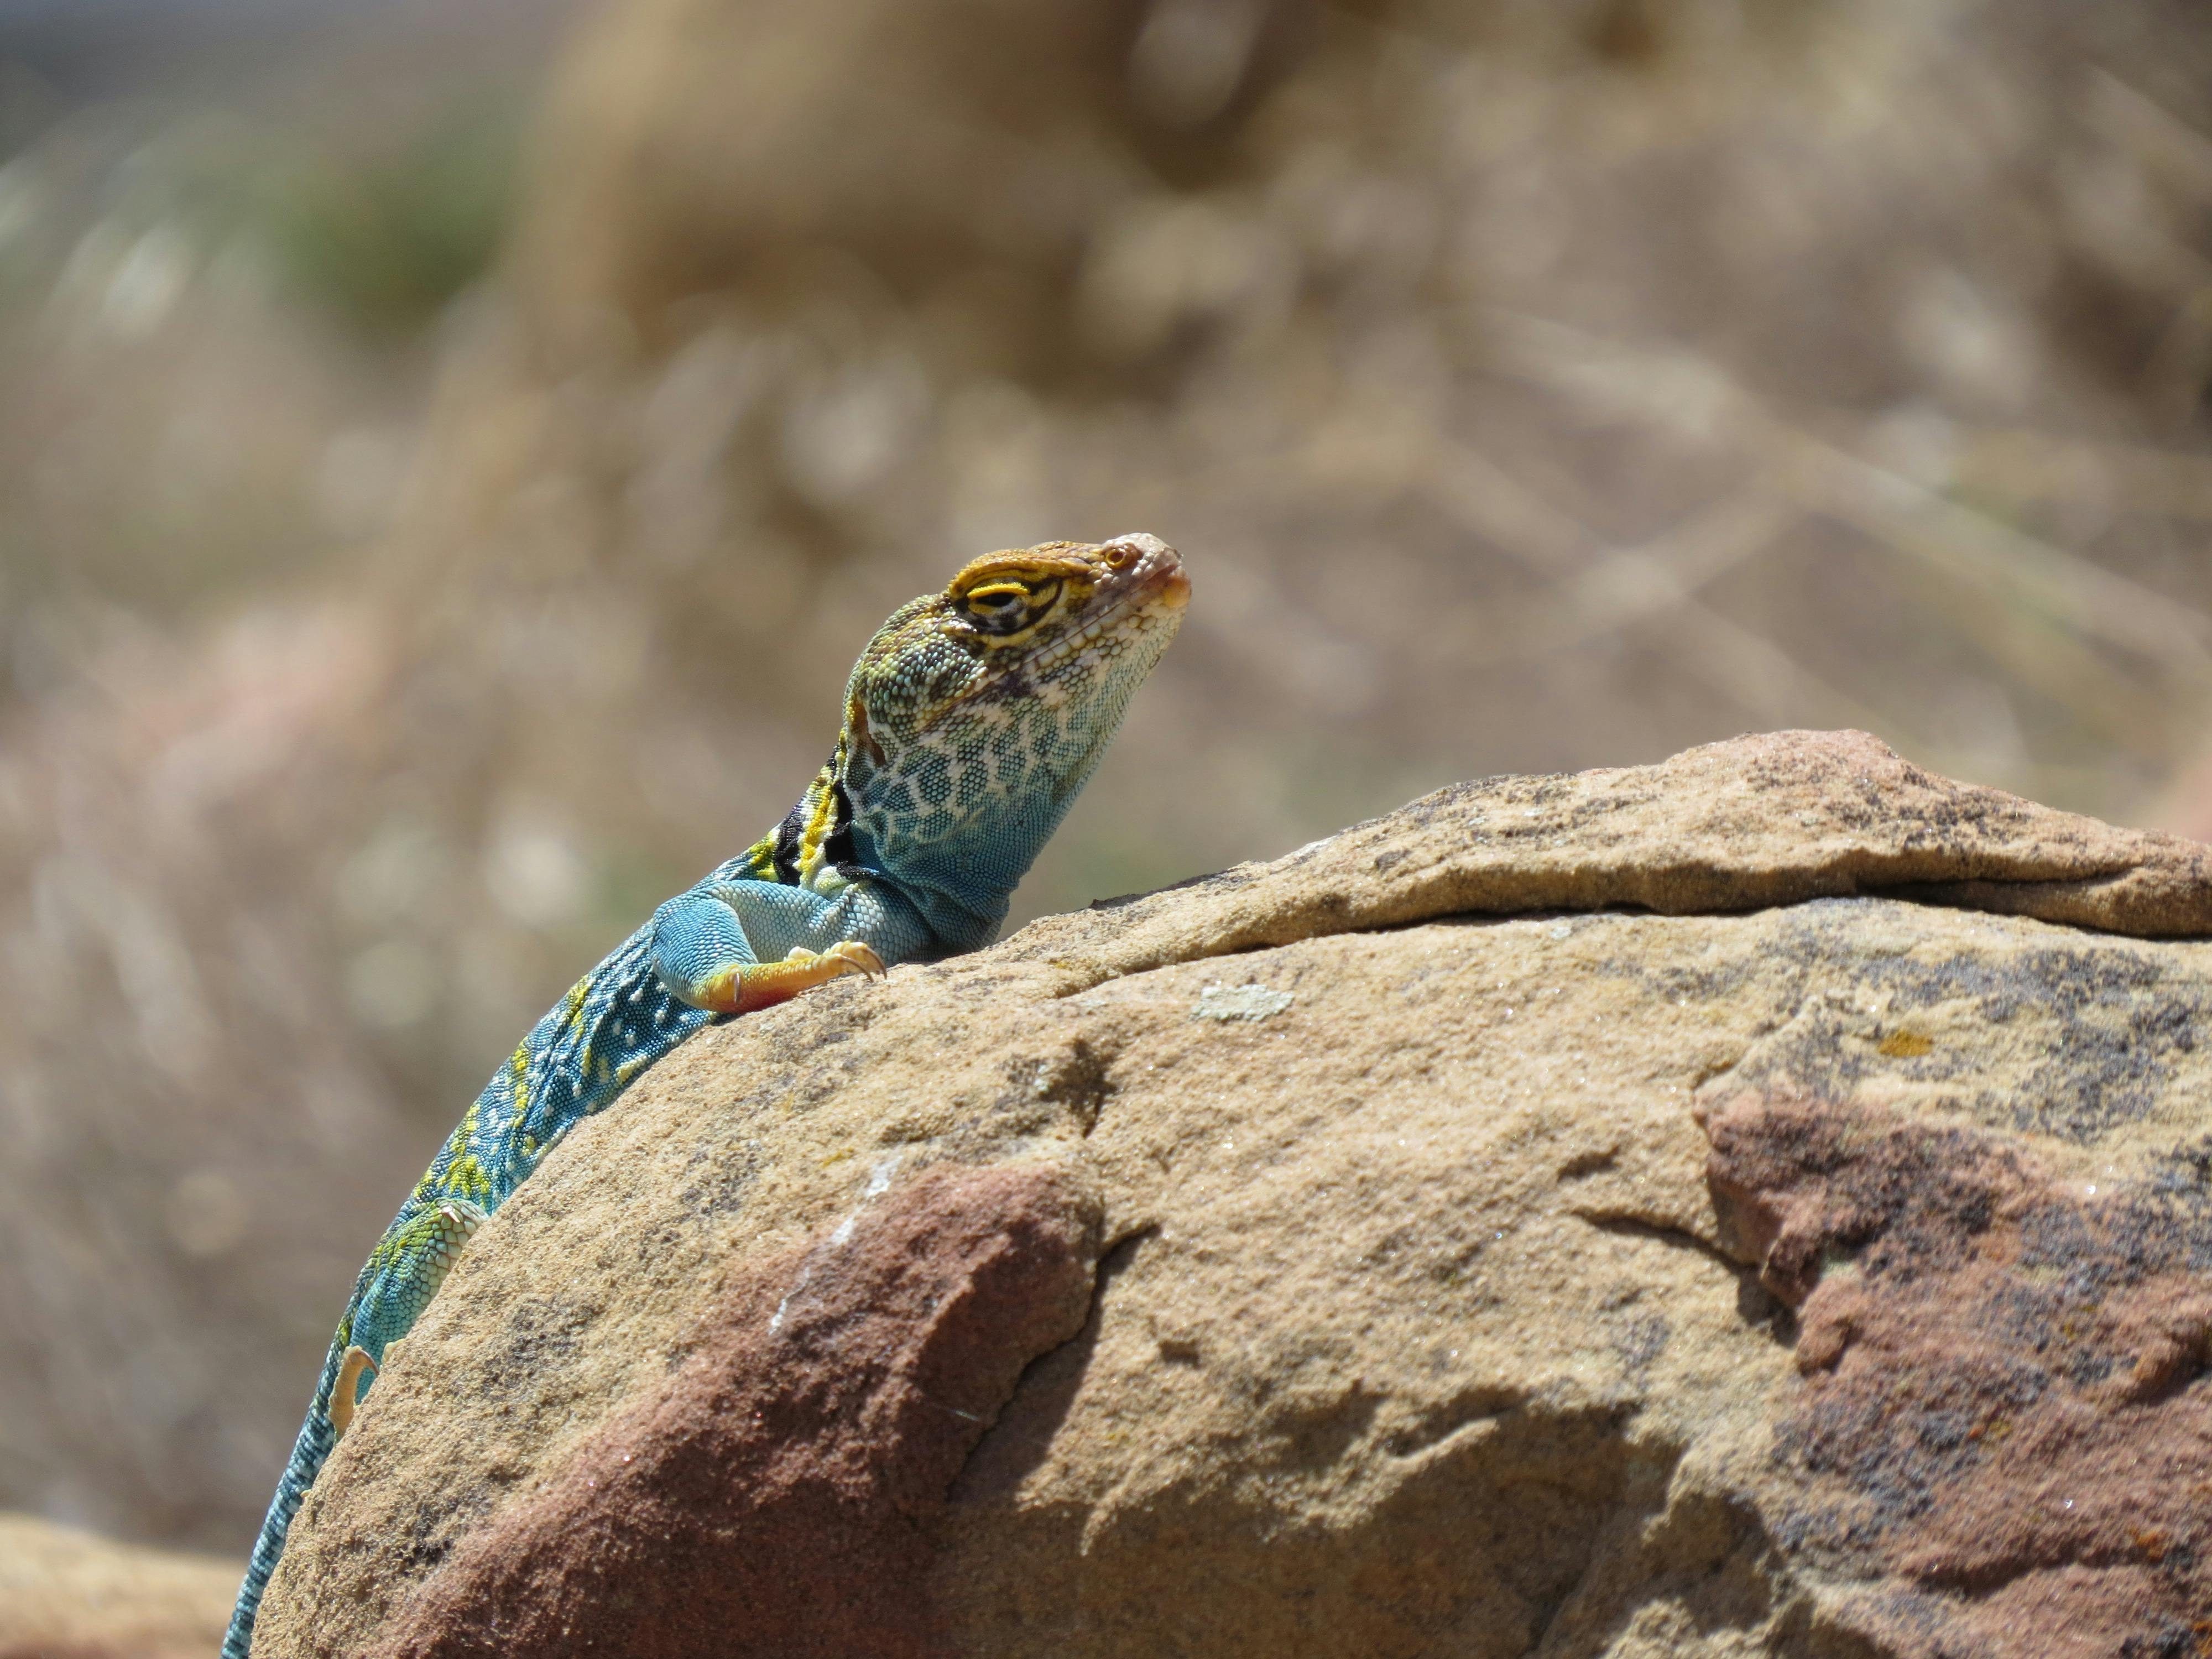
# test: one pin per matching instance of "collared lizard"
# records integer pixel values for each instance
(971, 721)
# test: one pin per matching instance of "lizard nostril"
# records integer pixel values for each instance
(1120, 558)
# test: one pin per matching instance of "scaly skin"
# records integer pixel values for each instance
(972, 721)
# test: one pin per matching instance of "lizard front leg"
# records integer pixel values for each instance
(709, 944)
(406, 1269)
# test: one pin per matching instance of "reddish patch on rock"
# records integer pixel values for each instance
(2005, 1424)
(773, 1496)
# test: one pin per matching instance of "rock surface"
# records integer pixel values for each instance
(1790, 1239)
(67, 1595)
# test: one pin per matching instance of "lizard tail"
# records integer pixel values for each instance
(308, 1453)
(394, 1284)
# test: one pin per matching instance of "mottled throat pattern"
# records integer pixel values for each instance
(972, 721)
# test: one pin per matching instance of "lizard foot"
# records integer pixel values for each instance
(350, 1367)
(763, 985)
(423, 1252)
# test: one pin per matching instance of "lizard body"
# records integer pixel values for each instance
(972, 719)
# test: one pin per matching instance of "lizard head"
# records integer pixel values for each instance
(976, 715)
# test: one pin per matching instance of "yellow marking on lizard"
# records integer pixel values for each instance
(519, 1068)
(466, 1178)
(821, 824)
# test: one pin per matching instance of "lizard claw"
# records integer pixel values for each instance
(861, 958)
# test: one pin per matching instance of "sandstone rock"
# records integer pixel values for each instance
(1755, 1250)
(66, 1595)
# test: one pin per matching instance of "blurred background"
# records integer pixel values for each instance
(450, 456)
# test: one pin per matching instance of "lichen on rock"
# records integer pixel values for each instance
(1734, 1206)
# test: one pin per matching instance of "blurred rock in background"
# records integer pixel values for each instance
(68, 1594)
(401, 597)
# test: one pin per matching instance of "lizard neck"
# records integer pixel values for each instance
(962, 882)
(956, 816)
(953, 822)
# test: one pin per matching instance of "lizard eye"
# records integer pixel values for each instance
(1005, 606)
(1004, 600)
